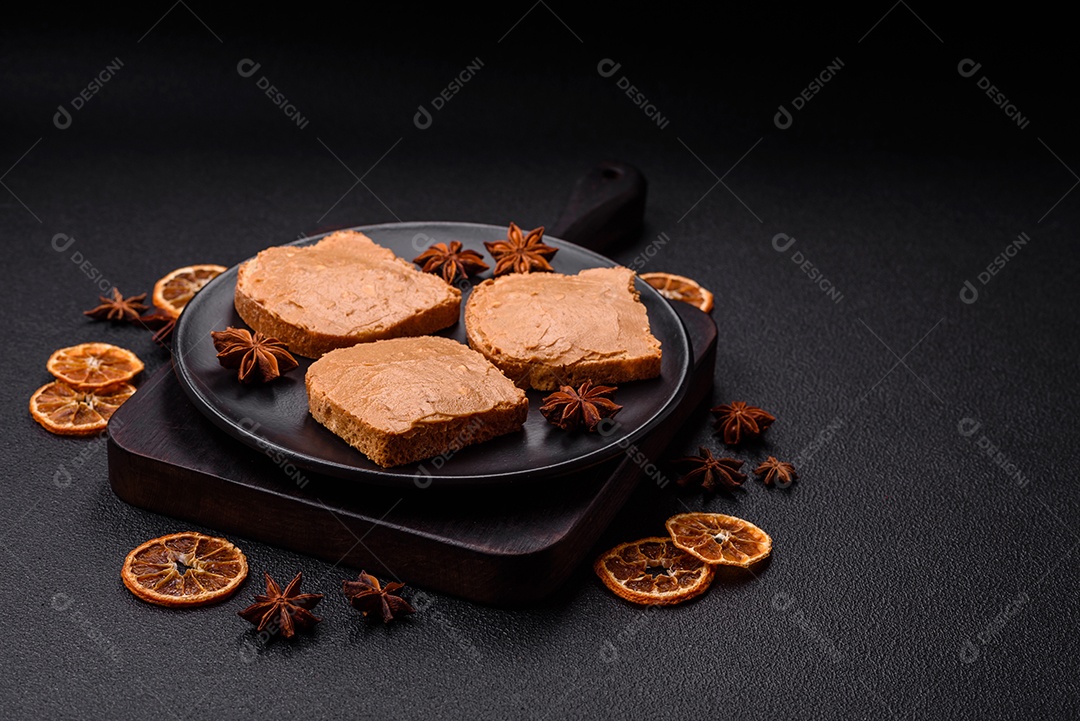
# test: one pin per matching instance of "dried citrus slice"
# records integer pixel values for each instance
(68, 412)
(93, 366)
(677, 287)
(719, 539)
(173, 292)
(653, 572)
(184, 570)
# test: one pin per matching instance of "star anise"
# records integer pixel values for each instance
(778, 472)
(521, 253)
(737, 421)
(452, 262)
(711, 472)
(118, 309)
(287, 611)
(258, 357)
(161, 323)
(569, 409)
(367, 595)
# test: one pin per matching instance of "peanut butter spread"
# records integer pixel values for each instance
(343, 285)
(396, 385)
(561, 320)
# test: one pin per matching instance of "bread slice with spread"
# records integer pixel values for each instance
(407, 399)
(545, 330)
(344, 289)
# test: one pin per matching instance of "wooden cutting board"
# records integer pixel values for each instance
(495, 545)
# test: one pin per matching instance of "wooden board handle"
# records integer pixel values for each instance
(605, 209)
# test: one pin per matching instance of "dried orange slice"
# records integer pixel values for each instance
(653, 572)
(94, 366)
(184, 570)
(68, 412)
(173, 292)
(677, 287)
(719, 539)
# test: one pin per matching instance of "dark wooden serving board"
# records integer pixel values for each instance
(494, 545)
(499, 544)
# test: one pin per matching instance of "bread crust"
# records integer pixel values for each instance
(430, 440)
(550, 377)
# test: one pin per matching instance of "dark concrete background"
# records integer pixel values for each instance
(924, 563)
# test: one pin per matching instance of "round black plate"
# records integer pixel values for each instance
(274, 417)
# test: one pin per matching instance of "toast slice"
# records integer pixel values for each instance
(407, 399)
(546, 330)
(343, 290)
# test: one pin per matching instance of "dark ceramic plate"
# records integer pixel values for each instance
(274, 417)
